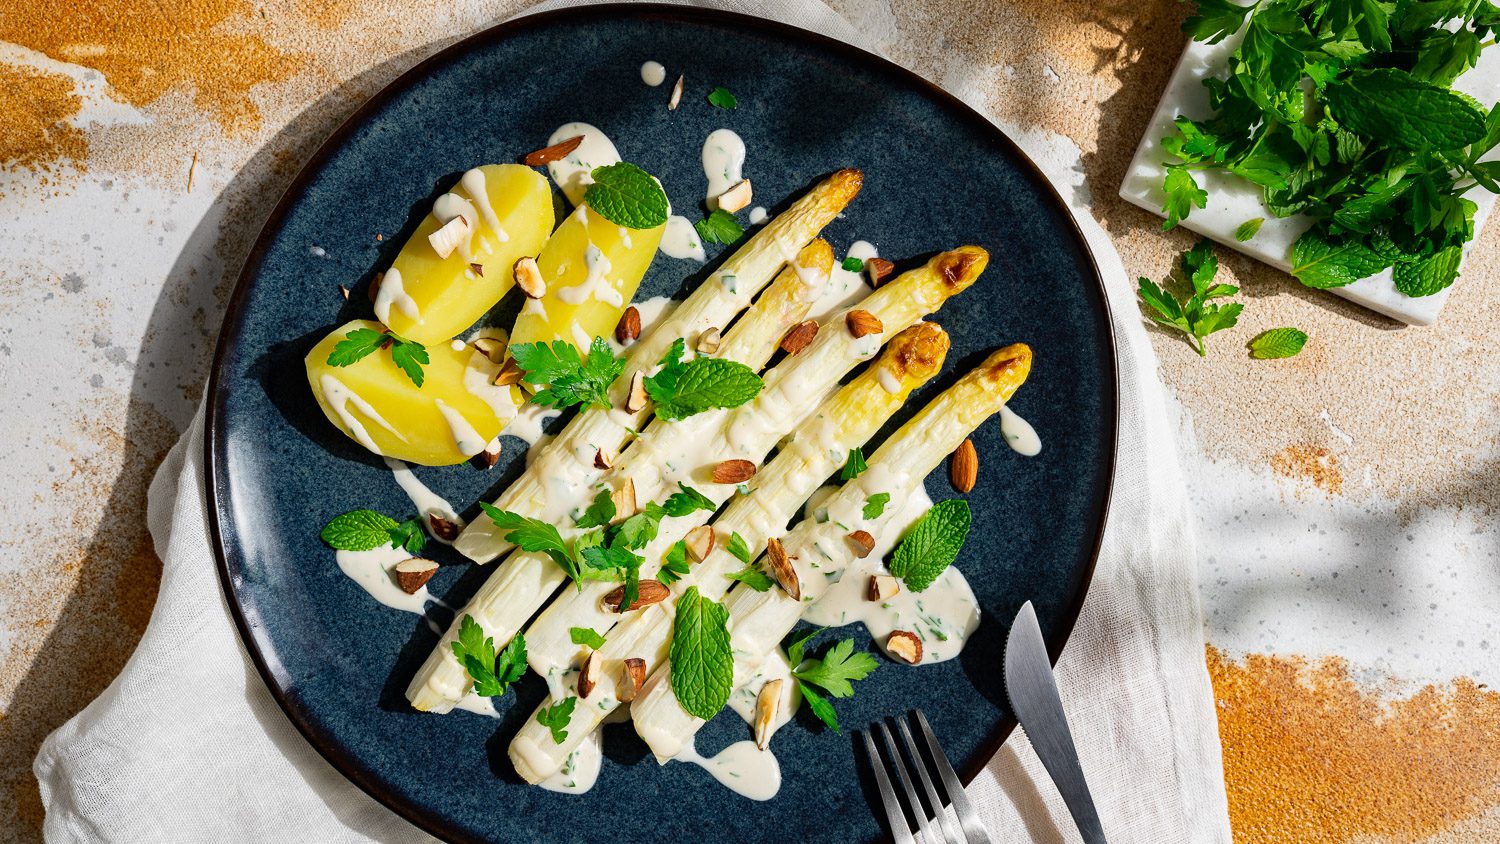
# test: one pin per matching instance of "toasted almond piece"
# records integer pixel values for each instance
(529, 278)
(637, 398)
(863, 543)
(491, 454)
(629, 326)
(708, 341)
(442, 528)
(651, 592)
(413, 574)
(603, 459)
(782, 570)
(700, 542)
(963, 468)
(477, 267)
(556, 152)
(344, 290)
(676, 95)
(733, 471)
(737, 197)
(798, 336)
(491, 347)
(879, 269)
(624, 499)
(374, 289)
(905, 645)
(633, 679)
(510, 373)
(767, 705)
(862, 323)
(447, 238)
(588, 674)
(882, 587)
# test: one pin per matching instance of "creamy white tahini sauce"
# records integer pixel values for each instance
(572, 173)
(426, 501)
(465, 438)
(723, 161)
(478, 704)
(451, 206)
(391, 292)
(472, 182)
(581, 770)
(529, 421)
(757, 215)
(653, 74)
(1018, 434)
(340, 397)
(372, 571)
(654, 310)
(741, 767)
(680, 240)
(845, 287)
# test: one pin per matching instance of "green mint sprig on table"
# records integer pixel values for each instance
(834, 673)
(360, 343)
(702, 660)
(491, 672)
(366, 530)
(1193, 316)
(1277, 343)
(932, 544)
(719, 227)
(682, 389)
(570, 378)
(1343, 111)
(557, 717)
(628, 196)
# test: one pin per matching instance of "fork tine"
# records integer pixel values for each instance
(974, 830)
(900, 832)
(901, 774)
(939, 811)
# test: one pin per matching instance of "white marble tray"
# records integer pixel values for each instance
(1232, 200)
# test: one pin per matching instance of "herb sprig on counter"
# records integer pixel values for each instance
(1193, 316)
(1342, 110)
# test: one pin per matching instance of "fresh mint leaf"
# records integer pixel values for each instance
(738, 547)
(875, 505)
(719, 227)
(854, 464)
(683, 389)
(409, 535)
(1427, 276)
(1277, 343)
(356, 345)
(626, 195)
(358, 530)
(932, 544)
(492, 673)
(1320, 260)
(702, 659)
(721, 98)
(557, 717)
(586, 636)
(1398, 108)
(1248, 229)
(1215, 20)
(570, 378)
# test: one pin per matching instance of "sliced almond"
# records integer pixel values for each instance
(374, 289)
(650, 592)
(879, 269)
(963, 469)
(491, 454)
(413, 574)
(733, 472)
(700, 542)
(344, 290)
(708, 341)
(637, 398)
(529, 278)
(442, 528)
(863, 543)
(477, 267)
(736, 197)
(556, 152)
(798, 336)
(905, 646)
(448, 238)
(767, 706)
(782, 569)
(862, 323)
(629, 326)
(624, 500)
(491, 347)
(588, 674)
(603, 459)
(882, 587)
(510, 373)
(676, 95)
(633, 679)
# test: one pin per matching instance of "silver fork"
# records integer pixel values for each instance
(968, 829)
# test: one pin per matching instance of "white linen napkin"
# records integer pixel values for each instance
(146, 761)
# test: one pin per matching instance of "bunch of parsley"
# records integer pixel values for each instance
(1342, 110)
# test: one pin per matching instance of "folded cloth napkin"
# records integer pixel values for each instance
(147, 761)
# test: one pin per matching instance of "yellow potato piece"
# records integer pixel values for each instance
(429, 299)
(592, 268)
(450, 418)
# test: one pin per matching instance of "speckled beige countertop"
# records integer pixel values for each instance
(180, 124)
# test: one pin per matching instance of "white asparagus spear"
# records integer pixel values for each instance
(521, 584)
(560, 478)
(818, 448)
(793, 390)
(758, 621)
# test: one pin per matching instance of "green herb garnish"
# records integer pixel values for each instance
(556, 718)
(719, 227)
(721, 98)
(683, 389)
(492, 673)
(358, 344)
(702, 660)
(626, 195)
(854, 464)
(1248, 229)
(586, 636)
(359, 530)
(1277, 343)
(875, 505)
(852, 264)
(834, 673)
(932, 544)
(1193, 316)
(570, 378)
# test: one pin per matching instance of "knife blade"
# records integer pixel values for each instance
(1031, 690)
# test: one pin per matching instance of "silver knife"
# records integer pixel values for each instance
(1032, 692)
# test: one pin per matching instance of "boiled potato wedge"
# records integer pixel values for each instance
(592, 268)
(447, 420)
(429, 298)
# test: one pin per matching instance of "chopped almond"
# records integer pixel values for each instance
(588, 675)
(510, 373)
(624, 500)
(442, 528)
(603, 459)
(863, 543)
(767, 706)
(708, 341)
(676, 95)
(736, 197)
(634, 678)
(629, 326)
(447, 238)
(650, 592)
(882, 587)
(491, 347)
(879, 269)
(700, 542)
(782, 569)
(862, 323)
(799, 336)
(636, 400)
(905, 646)
(413, 574)
(556, 152)
(733, 472)
(529, 278)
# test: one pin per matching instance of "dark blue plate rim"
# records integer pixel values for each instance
(221, 528)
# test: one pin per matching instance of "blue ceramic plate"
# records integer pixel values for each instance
(936, 175)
